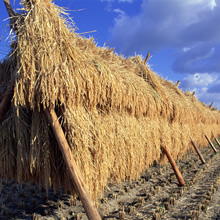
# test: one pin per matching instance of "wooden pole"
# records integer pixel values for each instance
(10, 11)
(7, 96)
(77, 180)
(4, 105)
(211, 144)
(146, 59)
(198, 152)
(11, 14)
(217, 141)
(177, 83)
(174, 166)
(210, 105)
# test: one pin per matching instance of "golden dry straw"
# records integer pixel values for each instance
(115, 112)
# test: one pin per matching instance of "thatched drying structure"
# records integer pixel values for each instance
(115, 112)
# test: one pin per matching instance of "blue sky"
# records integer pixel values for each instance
(183, 36)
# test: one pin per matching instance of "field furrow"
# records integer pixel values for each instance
(156, 195)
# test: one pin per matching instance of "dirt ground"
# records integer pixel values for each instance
(156, 195)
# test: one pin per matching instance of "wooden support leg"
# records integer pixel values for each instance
(7, 97)
(4, 105)
(198, 152)
(217, 141)
(174, 166)
(211, 144)
(77, 180)
(146, 59)
(11, 14)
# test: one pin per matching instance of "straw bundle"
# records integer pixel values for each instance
(115, 112)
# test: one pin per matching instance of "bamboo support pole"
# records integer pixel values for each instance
(6, 97)
(4, 105)
(77, 180)
(174, 166)
(211, 144)
(177, 83)
(146, 59)
(217, 141)
(11, 14)
(198, 152)
(10, 11)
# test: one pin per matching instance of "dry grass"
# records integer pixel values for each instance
(115, 112)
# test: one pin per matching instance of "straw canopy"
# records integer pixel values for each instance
(115, 112)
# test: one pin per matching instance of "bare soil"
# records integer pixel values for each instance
(156, 195)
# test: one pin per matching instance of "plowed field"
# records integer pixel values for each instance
(156, 195)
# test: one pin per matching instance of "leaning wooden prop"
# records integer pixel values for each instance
(77, 179)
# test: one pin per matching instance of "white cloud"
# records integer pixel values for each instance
(212, 4)
(207, 98)
(200, 58)
(119, 11)
(205, 85)
(189, 28)
(110, 3)
(198, 80)
(207, 55)
(186, 49)
(164, 24)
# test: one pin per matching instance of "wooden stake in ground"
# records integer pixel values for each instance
(198, 152)
(174, 166)
(217, 141)
(211, 144)
(78, 183)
